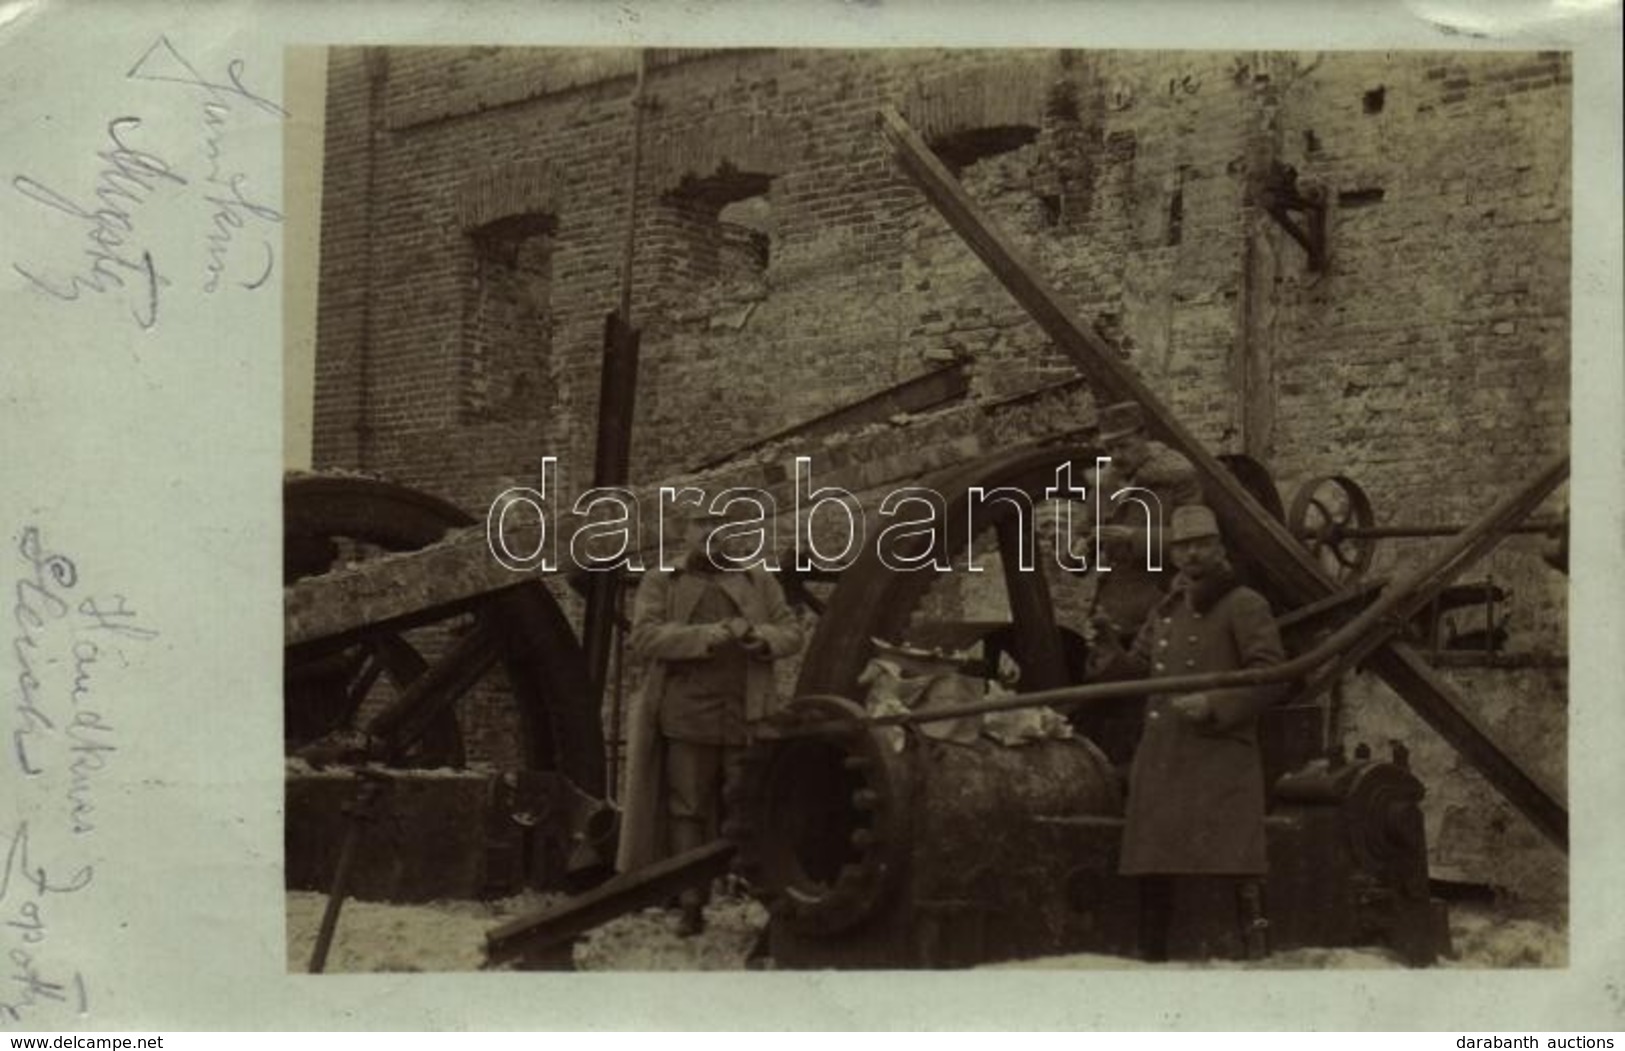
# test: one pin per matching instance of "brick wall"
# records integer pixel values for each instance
(1428, 360)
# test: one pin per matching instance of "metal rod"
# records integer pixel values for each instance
(360, 813)
(1366, 629)
(632, 191)
(617, 699)
(617, 393)
(1394, 532)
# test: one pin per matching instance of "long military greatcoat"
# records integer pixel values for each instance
(661, 633)
(1196, 790)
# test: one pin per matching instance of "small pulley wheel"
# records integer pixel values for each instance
(1329, 515)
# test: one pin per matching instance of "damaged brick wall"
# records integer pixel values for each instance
(784, 268)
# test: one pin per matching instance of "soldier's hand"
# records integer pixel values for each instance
(738, 627)
(718, 635)
(1194, 707)
(755, 645)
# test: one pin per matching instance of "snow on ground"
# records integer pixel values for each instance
(450, 936)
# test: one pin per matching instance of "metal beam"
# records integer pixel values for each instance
(1291, 569)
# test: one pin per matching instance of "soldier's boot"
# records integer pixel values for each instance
(1255, 924)
(1156, 915)
(686, 834)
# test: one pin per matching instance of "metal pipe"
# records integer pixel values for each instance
(628, 247)
(1355, 635)
(360, 813)
(617, 701)
(617, 392)
(1393, 532)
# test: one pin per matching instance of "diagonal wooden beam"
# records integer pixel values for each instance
(537, 933)
(1289, 566)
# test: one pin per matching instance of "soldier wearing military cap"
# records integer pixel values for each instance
(1196, 786)
(709, 633)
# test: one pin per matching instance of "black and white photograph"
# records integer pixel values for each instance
(913, 509)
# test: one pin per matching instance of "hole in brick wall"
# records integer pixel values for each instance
(501, 239)
(1176, 218)
(1062, 102)
(1121, 146)
(1372, 101)
(508, 324)
(714, 233)
(1359, 198)
(963, 148)
(1051, 204)
(722, 187)
(1109, 327)
(746, 236)
(1311, 142)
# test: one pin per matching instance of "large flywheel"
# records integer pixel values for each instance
(405, 685)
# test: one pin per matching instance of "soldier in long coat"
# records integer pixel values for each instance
(709, 636)
(1196, 787)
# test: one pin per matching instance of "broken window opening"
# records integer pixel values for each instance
(1359, 198)
(961, 149)
(715, 234)
(508, 330)
(746, 245)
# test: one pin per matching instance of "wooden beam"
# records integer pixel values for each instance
(912, 395)
(1292, 571)
(395, 589)
(541, 932)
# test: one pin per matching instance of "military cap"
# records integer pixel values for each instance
(1193, 522)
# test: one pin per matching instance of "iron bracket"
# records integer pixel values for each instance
(1282, 200)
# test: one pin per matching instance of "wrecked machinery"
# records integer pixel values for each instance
(879, 840)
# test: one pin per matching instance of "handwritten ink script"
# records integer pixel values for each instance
(142, 187)
(68, 641)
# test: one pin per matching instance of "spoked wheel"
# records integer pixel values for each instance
(1327, 515)
(403, 685)
(325, 695)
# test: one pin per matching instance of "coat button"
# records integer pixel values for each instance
(1161, 666)
(1195, 639)
(1163, 643)
(1154, 715)
(1167, 620)
(1190, 664)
